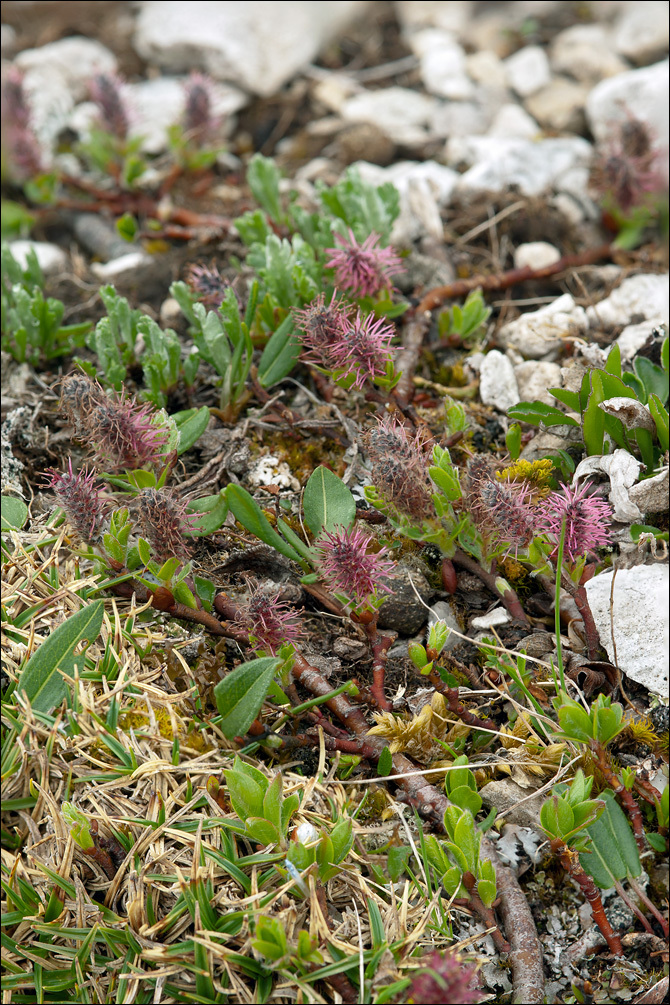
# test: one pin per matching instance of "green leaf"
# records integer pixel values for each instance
(576, 723)
(280, 354)
(464, 838)
(209, 514)
(464, 797)
(192, 429)
(396, 861)
(42, 677)
(262, 830)
(248, 512)
(245, 794)
(127, 226)
(660, 416)
(536, 412)
(513, 441)
(14, 513)
(240, 695)
(593, 424)
(272, 801)
(657, 842)
(614, 852)
(327, 502)
(385, 762)
(654, 378)
(263, 179)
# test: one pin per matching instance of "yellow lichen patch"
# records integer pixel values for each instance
(418, 736)
(535, 474)
(140, 721)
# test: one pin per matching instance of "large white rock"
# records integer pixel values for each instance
(539, 334)
(640, 618)
(401, 113)
(76, 60)
(641, 32)
(633, 337)
(584, 51)
(499, 163)
(641, 93)
(528, 70)
(497, 382)
(639, 297)
(258, 45)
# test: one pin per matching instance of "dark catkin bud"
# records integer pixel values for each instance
(626, 166)
(322, 327)
(81, 499)
(447, 979)
(79, 397)
(199, 121)
(400, 469)
(20, 144)
(164, 523)
(124, 436)
(107, 92)
(500, 510)
(207, 283)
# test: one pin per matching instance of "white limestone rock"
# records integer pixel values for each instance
(424, 189)
(498, 163)
(442, 64)
(513, 121)
(641, 33)
(641, 93)
(633, 337)
(528, 70)
(257, 45)
(401, 113)
(640, 297)
(559, 105)
(539, 334)
(416, 14)
(584, 52)
(497, 382)
(535, 254)
(534, 378)
(640, 619)
(75, 60)
(52, 259)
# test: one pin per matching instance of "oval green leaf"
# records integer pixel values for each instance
(239, 696)
(327, 502)
(42, 678)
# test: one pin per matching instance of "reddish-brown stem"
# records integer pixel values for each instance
(663, 922)
(380, 645)
(594, 647)
(503, 280)
(174, 609)
(509, 597)
(626, 796)
(570, 862)
(455, 706)
(484, 913)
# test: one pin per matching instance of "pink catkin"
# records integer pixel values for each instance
(270, 621)
(348, 568)
(587, 520)
(107, 92)
(362, 269)
(500, 510)
(364, 350)
(446, 980)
